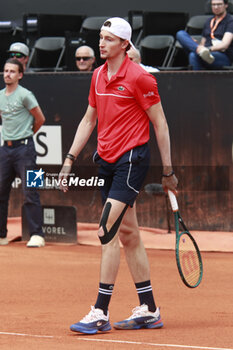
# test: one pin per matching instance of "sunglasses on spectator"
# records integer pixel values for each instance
(17, 54)
(83, 58)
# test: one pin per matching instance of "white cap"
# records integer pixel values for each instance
(119, 27)
(19, 47)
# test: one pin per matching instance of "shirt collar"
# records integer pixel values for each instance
(123, 68)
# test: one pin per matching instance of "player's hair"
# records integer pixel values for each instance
(17, 63)
(128, 46)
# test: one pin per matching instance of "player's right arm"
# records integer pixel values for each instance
(84, 131)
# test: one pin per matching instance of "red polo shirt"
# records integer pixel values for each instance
(121, 103)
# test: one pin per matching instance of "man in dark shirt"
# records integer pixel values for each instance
(216, 46)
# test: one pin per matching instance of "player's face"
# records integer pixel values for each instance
(218, 7)
(11, 74)
(110, 45)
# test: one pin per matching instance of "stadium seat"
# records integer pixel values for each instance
(155, 50)
(194, 27)
(47, 54)
(163, 23)
(89, 33)
(48, 25)
(93, 23)
(196, 24)
(135, 18)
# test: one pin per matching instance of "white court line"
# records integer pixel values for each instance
(154, 344)
(117, 341)
(27, 335)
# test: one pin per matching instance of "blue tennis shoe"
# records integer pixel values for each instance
(141, 318)
(95, 321)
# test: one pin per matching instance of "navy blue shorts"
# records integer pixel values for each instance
(124, 178)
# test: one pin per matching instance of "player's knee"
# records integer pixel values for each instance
(106, 235)
(129, 237)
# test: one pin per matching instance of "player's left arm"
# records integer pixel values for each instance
(39, 118)
(158, 119)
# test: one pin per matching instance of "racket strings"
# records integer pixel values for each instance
(189, 260)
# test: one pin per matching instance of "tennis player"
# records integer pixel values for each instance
(124, 98)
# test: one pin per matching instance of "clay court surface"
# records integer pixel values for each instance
(45, 290)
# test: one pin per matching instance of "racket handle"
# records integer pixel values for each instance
(173, 201)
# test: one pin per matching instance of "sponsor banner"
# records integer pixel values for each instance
(59, 224)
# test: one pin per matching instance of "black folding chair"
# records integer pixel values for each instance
(47, 54)
(156, 49)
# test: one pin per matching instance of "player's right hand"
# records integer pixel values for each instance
(170, 183)
(63, 176)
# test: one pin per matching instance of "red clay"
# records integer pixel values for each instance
(45, 290)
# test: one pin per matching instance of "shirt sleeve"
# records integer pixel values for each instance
(30, 101)
(146, 91)
(229, 27)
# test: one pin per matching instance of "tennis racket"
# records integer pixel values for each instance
(188, 256)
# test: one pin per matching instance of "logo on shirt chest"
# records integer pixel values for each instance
(12, 107)
(121, 88)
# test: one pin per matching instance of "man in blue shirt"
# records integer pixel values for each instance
(216, 46)
(21, 118)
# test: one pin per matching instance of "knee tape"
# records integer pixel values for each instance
(108, 235)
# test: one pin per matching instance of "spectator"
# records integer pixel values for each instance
(21, 52)
(135, 56)
(216, 47)
(21, 118)
(85, 58)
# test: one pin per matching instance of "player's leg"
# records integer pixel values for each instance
(111, 218)
(123, 181)
(129, 173)
(147, 315)
(98, 317)
(134, 249)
